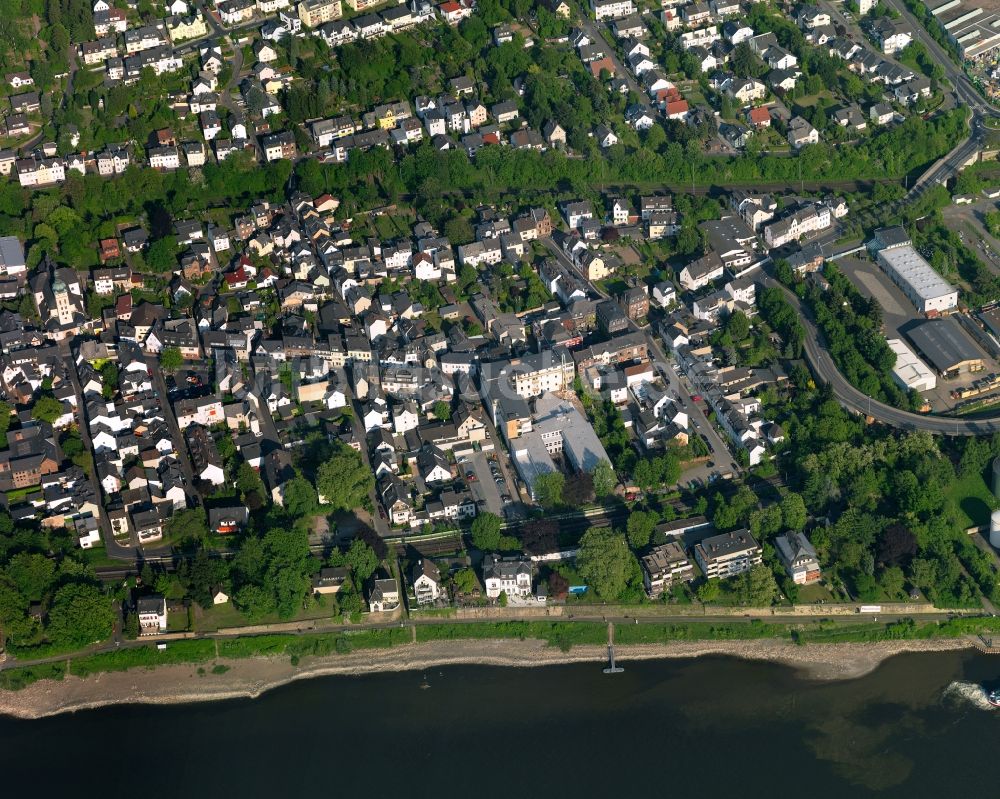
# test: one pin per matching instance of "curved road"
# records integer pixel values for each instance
(856, 400)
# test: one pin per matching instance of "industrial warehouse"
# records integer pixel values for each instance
(974, 27)
(930, 293)
(910, 372)
(947, 347)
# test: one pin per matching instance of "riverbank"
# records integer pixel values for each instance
(251, 677)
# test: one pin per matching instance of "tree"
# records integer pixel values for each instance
(738, 326)
(299, 498)
(540, 536)
(578, 490)
(766, 522)
(162, 255)
(362, 560)
(549, 488)
(441, 410)
(458, 230)
(465, 581)
(171, 359)
(47, 409)
(249, 484)
(758, 587)
(604, 479)
(31, 573)
(892, 580)
(204, 574)
(605, 562)
(897, 545)
(640, 528)
(793, 511)
(81, 614)
(344, 482)
(486, 532)
(709, 591)
(253, 601)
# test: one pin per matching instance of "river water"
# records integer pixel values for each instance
(712, 727)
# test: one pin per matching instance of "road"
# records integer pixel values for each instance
(856, 400)
(594, 31)
(721, 455)
(966, 95)
(180, 445)
(112, 548)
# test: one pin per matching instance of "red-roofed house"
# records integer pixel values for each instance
(247, 266)
(237, 280)
(600, 64)
(123, 307)
(759, 117)
(109, 250)
(677, 109)
(453, 12)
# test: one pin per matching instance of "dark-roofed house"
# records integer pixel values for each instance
(383, 596)
(510, 575)
(799, 557)
(330, 580)
(426, 579)
(152, 612)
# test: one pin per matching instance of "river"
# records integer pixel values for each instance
(916, 727)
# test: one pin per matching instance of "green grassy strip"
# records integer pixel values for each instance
(554, 632)
(562, 634)
(18, 678)
(197, 651)
(315, 645)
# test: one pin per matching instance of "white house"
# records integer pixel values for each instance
(510, 575)
(426, 581)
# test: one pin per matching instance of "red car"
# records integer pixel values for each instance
(471, 477)
(696, 397)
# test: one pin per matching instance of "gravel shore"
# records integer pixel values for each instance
(249, 678)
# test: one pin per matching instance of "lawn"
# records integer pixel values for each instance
(98, 556)
(973, 501)
(220, 617)
(810, 594)
(810, 99)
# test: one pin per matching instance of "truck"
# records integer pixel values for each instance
(870, 609)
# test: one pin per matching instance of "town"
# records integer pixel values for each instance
(356, 312)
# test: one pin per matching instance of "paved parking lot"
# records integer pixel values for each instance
(872, 282)
(484, 487)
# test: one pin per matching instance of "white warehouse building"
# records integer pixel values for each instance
(925, 288)
(911, 372)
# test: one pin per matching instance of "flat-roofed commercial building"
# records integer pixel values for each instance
(947, 347)
(974, 28)
(911, 372)
(930, 293)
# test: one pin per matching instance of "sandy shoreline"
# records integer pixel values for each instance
(251, 677)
